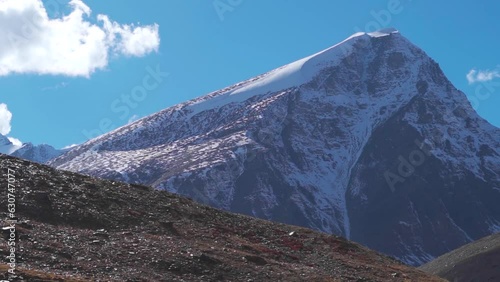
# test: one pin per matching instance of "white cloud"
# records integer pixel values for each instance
(130, 40)
(5, 118)
(70, 45)
(482, 75)
(16, 142)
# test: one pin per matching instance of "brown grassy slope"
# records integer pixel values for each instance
(477, 261)
(73, 225)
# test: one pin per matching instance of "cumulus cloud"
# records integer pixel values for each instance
(5, 118)
(130, 40)
(69, 45)
(482, 75)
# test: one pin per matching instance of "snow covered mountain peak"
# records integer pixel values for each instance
(6, 146)
(37, 153)
(299, 72)
(392, 50)
(4, 140)
(378, 33)
(310, 143)
(383, 32)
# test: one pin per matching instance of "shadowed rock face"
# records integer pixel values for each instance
(325, 152)
(430, 211)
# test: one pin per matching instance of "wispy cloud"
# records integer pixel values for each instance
(56, 87)
(70, 45)
(132, 119)
(482, 75)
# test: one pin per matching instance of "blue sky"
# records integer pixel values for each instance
(207, 45)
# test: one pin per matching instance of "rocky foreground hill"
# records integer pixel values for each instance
(77, 228)
(477, 261)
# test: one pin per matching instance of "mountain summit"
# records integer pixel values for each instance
(6, 146)
(37, 153)
(367, 139)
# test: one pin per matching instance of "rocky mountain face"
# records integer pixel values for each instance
(37, 153)
(72, 227)
(367, 140)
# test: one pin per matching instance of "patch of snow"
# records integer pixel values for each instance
(383, 32)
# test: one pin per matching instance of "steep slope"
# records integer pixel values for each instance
(432, 172)
(37, 153)
(477, 261)
(315, 142)
(76, 226)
